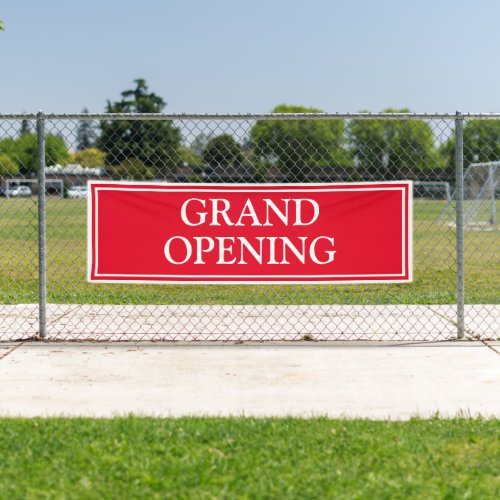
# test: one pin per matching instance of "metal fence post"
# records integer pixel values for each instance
(459, 200)
(42, 228)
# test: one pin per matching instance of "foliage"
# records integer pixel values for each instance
(259, 175)
(297, 146)
(91, 157)
(391, 149)
(153, 143)
(222, 152)
(25, 127)
(187, 156)
(23, 150)
(86, 134)
(2, 26)
(131, 169)
(481, 143)
(200, 142)
(7, 165)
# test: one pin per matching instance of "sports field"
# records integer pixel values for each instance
(434, 267)
(249, 458)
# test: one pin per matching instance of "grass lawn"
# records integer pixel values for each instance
(434, 267)
(249, 458)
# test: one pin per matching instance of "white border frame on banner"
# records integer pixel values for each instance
(407, 233)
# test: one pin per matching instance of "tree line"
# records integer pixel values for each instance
(297, 150)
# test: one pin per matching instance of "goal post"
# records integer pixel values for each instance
(482, 182)
(481, 190)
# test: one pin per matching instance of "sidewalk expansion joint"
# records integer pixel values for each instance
(454, 323)
(10, 351)
(492, 347)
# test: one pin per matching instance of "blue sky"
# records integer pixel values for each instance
(249, 56)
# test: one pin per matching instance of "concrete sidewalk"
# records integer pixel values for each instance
(394, 381)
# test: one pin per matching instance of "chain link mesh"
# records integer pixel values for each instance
(247, 149)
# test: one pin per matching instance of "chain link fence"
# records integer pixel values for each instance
(46, 161)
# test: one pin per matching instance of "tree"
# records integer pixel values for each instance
(86, 134)
(481, 143)
(2, 26)
(7, 165)
(392, 149)
(223, 152)
(297, 146)
(91, 157)
(132, 169)
(23, 150)
(200, 142)
(25, 127)
(369, 144)
(153, 143)
(189, 157)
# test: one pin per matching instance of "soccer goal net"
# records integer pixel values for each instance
(481, 197)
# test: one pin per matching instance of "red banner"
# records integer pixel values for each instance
(249, 233)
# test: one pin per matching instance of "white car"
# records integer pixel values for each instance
(19, 191)
(77, 192)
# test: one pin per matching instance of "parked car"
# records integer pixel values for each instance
(77, 192)
(19, 191)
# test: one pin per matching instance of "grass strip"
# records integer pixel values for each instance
(137, 457)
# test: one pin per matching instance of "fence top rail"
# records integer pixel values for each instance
(248, 116)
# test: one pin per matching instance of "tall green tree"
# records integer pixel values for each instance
(90, 157)
(200, 142)
(369, 144)
(222, 152)
(153, 143)
(131, 169)
(25, 127)
(7, 165)
(189, 157)
(481, 143)
(392, 149)
(86, 134)
(295, 147)
(23, 150)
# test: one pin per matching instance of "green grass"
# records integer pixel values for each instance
(434, 267)
(249, 458)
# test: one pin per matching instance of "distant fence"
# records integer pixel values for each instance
(43, 287)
